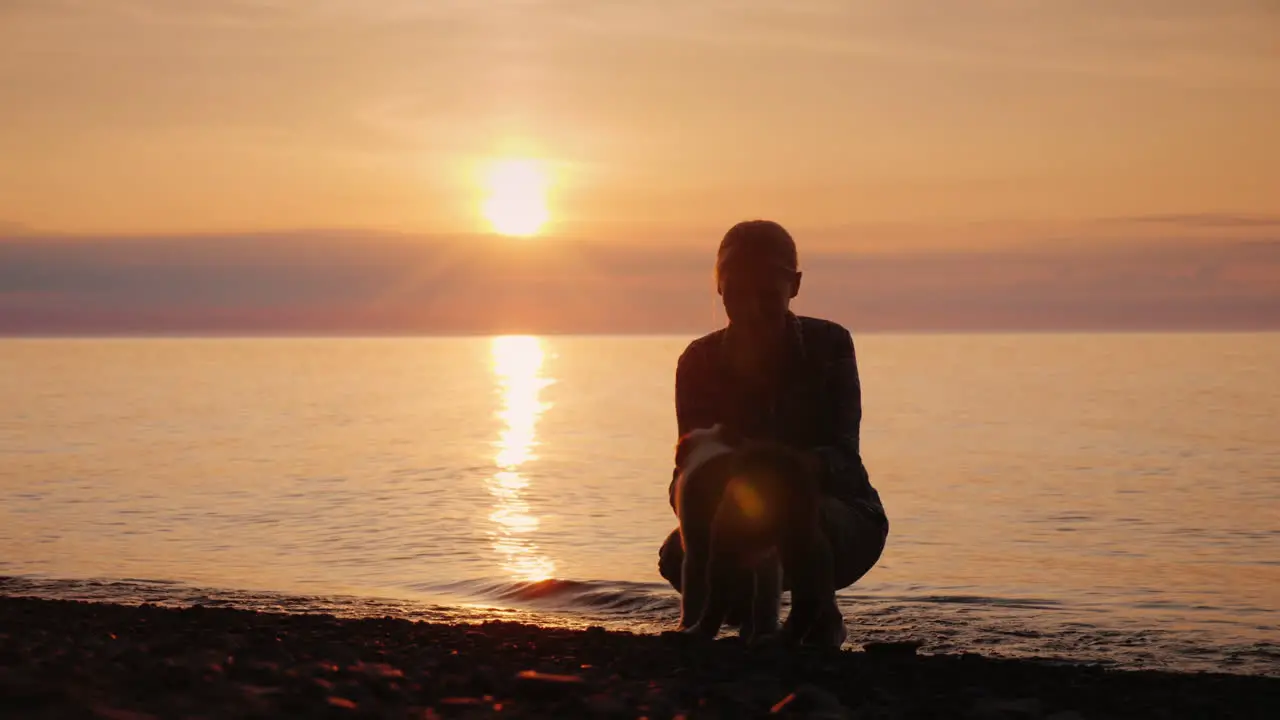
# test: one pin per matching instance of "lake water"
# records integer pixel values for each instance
(1099, 497)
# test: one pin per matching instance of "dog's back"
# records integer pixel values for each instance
(753, 491)
(769, 489)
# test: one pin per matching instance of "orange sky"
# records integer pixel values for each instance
(1051, 153)
(142, 116)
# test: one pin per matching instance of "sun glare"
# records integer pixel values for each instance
(516, 203)
(518, 367)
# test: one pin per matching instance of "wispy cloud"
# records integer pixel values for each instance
(1206, 220)
(161, 12)
(9, 228)
(1174, 43)
(1177, 42)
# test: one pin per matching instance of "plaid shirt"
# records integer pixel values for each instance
(816, 405)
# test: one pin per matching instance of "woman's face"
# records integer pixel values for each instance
(758, 298)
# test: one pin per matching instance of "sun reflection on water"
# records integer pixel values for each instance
(517, 364)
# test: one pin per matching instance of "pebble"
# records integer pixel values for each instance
(539, 685)
(906, 648)
(1005, 709)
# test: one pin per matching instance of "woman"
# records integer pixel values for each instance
(771, 374)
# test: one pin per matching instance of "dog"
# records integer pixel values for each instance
(740, 506)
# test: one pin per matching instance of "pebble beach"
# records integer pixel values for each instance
(133, 662)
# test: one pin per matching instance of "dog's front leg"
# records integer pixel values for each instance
(716, 605)
(766, 599)
(696, 509)
(694, 573)
(815, 617)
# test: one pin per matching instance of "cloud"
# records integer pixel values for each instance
(365, 283)
(1175, 42)
(209, 12)
(1206, 220)
(11, 228)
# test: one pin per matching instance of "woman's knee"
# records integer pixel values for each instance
(858, 537)
(671, 559)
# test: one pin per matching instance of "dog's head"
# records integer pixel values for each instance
(698, 446)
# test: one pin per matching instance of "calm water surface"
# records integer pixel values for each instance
(1103, 497)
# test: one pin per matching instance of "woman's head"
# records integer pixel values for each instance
(757, 274)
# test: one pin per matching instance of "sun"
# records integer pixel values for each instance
(516, 203)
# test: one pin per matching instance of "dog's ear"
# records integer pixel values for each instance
(690, 440)
(684, 446)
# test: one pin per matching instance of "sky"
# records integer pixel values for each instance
(271, 166)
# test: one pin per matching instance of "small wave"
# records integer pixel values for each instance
(166, 593)
(565, 595)
(1002, 602)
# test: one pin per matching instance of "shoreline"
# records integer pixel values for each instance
(63, 658)
(995, 627)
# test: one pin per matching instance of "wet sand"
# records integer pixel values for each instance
(75, 659)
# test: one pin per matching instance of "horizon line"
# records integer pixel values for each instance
(285, 335)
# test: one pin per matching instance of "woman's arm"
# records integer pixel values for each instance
(840, 460)
(694, 405)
